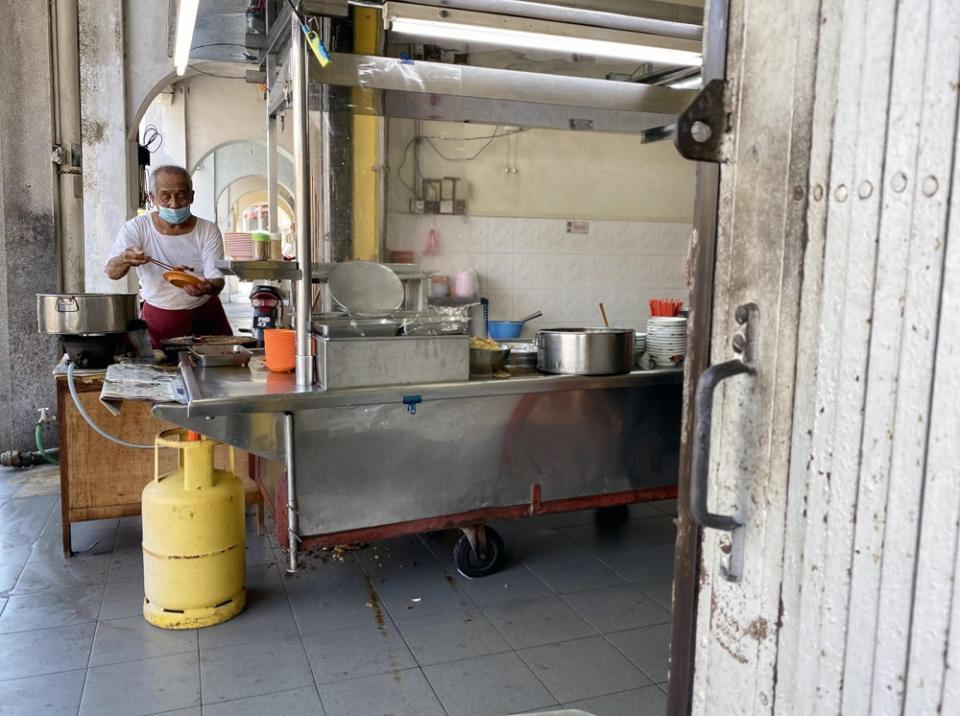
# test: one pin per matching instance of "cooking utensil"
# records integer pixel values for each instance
(505, 330)
(216, 356)
(603, 315)
(168, 267)
(486, 363)
(181, 279)
(585, 351)
(173, 346)
(85, 313)
(365, 288)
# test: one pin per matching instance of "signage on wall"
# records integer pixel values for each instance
(578, 227)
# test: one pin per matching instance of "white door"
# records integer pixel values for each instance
(832, 586)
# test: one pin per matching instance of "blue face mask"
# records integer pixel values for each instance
(174, 216)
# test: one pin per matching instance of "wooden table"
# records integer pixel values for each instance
(100, 479)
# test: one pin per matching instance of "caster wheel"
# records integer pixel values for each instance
(470, 565)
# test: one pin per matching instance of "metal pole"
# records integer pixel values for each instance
(272, 170)
(293, 517)
(301, 165)
(69, 176)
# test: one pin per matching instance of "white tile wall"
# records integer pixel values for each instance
(531, 264)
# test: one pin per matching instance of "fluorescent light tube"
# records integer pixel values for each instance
(186, 20)
(492, 29)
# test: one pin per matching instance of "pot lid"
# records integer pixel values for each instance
(365, 287)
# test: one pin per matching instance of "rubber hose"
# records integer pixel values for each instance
(40, 449)
(86, 416)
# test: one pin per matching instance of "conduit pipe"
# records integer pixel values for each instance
(67, 140)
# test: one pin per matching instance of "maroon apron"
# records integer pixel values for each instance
(207, 319)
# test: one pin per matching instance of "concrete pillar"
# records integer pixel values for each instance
(109, 178)
(28, 253)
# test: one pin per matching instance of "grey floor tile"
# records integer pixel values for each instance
(403, 556)
(577, 575)
(513, 584)
(48, 694)
(320, 606)
(147, 686)
(8, 577)
(3, 604)
(15, 555)
(130, 521)
(236, 672)
(122, 599)
(357, 651)
(617, 608)
(74, 573)
(89, 543)
(22, 519)
(645, 701)
(453, 636)
(571, 519)
(298, 702)
(412, 595)
(648, 648)
(497, 684)
(11, 480)
(45, 651)
(266, 616)
(401, 693)
(668, 507)
(134, 638)
(640, 565)
(44, 610)
(660, 592)
(538, 622)
(582, 669)
(126, 566)
(545, 547)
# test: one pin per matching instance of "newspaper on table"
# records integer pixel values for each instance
(136, 381)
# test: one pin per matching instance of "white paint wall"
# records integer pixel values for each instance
(549, 173)
(638, 199)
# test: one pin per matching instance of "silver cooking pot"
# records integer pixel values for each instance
(72, 314)
(585, 351)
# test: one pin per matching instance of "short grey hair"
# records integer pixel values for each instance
(170, 169)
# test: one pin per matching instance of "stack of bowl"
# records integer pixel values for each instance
(666, 340)
(639, 346)
(280, 349)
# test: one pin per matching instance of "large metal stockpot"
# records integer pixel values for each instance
(585, 351)
(73, 314)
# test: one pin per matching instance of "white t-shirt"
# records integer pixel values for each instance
(200, 249)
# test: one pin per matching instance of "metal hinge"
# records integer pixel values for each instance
(703, 128)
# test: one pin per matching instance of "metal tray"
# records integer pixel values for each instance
(217, 356)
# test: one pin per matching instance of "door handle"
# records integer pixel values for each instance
(700, 464)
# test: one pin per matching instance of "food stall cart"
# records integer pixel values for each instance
(376, 459)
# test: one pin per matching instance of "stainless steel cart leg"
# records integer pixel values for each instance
(293, 516)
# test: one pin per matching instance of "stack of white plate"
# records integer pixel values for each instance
(666, 339)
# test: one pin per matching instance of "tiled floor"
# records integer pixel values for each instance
(578, 618)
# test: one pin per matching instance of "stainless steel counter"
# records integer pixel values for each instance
(396, 459)
(238, 391)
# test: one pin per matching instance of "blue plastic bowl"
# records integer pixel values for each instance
(504, 330)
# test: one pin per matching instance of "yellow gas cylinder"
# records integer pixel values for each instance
(194, 558)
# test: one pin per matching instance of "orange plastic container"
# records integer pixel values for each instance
(280, 349)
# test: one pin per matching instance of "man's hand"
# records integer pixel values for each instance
(134, 257)
(118, 266)
(211, 287)
(204, 288)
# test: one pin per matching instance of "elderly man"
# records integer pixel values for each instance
(171, 234)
